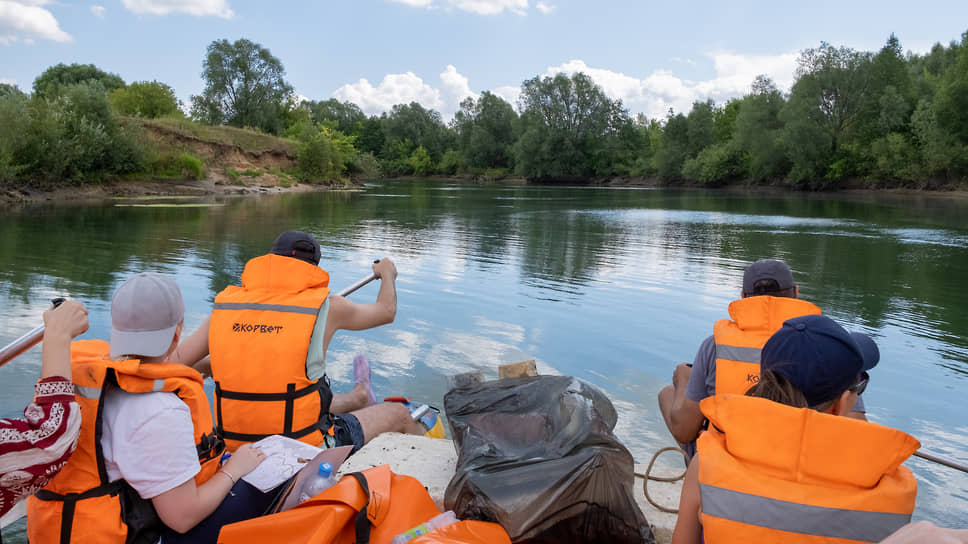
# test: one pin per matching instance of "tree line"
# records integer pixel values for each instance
(883, 119)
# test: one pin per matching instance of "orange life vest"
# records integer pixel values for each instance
(80, 504)
(740, 340)
(773, 473)
(258, 339)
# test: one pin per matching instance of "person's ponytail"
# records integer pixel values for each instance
(775, 387)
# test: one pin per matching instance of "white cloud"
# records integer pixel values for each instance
(510, 93)
(5, 81)
(479, 7)
(98, 11)
(545, 8)
(406, 88)
(657, 92)
(218, 8)
(26, 20)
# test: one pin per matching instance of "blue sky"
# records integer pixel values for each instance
(653, 55)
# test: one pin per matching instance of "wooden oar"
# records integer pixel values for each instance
(26, 341)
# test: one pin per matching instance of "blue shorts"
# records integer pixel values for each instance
(243, 502)
(348, 431)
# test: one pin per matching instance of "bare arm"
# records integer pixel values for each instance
(185, 506)
(61, 324)
(193, 350)
(689, 525)
(684, 418)
(345, 314)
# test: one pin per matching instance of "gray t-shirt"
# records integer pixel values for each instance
(702, 380)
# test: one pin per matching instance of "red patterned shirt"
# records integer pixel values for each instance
(35, 448)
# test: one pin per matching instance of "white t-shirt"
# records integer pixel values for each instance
(148, 440)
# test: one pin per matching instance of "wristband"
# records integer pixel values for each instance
(227, 473)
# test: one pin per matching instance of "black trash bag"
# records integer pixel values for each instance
(537, 455)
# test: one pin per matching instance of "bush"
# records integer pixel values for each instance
(365, 165)
(715, 164)
(450, 163)
(190, 166)
(148, 99)
(420, 161)
(182, 166)
(318, 160)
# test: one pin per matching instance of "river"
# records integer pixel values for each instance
(614, 286)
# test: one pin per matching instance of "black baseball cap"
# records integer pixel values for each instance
(767, 269)
(297, 244)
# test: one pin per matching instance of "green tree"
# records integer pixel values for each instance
(672, 149)
(244, 87)
(568, 124)
(825, 105)
(148, 99)
(951, 102)
(370, 137)
(486, 131)
(418, 125)
(55, 78)
(345, 116)
(759, 131)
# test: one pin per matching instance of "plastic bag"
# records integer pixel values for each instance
(537, 455)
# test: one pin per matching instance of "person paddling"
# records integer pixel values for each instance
(728, 361)
(268, 339)
(780, 465)
(35, 448)
(147, 461)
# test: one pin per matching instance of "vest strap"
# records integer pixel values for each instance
(320, 387)
(362, 524)
(70, 503)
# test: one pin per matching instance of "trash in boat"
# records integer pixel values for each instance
(537, 455)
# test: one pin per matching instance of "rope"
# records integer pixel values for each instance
(648, 476)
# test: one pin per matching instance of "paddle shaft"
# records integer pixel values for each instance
(25, 342)
(940, 460)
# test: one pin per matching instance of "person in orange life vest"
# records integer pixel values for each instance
(284, 313)
(780, 465)
(729, 359)
(35, 448)
(147, 440)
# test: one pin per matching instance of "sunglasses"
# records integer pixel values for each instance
(861, 384)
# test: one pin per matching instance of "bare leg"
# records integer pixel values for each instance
(387, 417)
(347, 402)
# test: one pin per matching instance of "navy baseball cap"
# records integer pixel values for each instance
(767, 269)
(818, 356)
(297, 244)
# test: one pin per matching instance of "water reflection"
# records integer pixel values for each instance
(613, 286)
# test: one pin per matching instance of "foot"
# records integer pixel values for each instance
(361, 375)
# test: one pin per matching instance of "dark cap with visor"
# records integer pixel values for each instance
(818, 356)
(297, 244)
(767, 269)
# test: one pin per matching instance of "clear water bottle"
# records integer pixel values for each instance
(435, 522)
(321, 481)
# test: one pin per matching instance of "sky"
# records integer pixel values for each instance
(377, 53)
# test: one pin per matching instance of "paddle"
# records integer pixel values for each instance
(26, 341)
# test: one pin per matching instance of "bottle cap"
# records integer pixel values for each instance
(325, 469)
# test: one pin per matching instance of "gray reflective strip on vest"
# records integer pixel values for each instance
(159, 385)
(88, 392)
(799, 518)
(266, 307)
(736, 353)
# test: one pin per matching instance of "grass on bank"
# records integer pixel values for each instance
(247, 140)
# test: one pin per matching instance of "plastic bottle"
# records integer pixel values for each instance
(435, 522)
(321, 481)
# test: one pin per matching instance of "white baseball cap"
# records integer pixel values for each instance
(145, 311)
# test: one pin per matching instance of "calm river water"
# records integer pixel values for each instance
(614, 286)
